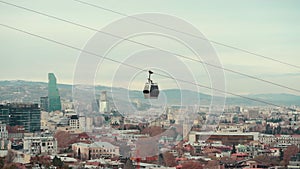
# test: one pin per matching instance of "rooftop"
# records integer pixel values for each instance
(97, 145)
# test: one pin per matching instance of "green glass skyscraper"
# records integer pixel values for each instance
(53, 94)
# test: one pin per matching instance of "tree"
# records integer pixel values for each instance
(281, 154)
(268, 129)
(278, 129)
(233, 151)
(235, 119)
(192, 165)
(169, 159)
(2, 162)
(128, 164)
(79, 154)
(65, 166)
(153, 130)
(10, 166)
(9, 157)
(57, 162)
(212, 164)
(289, 152)
(161, 160)
(65, 139)
(267, 160)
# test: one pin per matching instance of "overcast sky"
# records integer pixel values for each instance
(271, 28)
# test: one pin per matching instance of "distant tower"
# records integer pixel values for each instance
(53, 94)
(103, 105)
(44, 103)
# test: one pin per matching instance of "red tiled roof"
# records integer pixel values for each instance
(83, 135)
(93, 163)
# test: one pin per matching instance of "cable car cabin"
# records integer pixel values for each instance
(151, 91)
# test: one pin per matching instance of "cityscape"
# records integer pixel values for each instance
(51, 134)
(132, 84)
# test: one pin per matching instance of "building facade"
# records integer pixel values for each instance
(21, 114)
(74, 122)
(95, 150)
(40, 145)
(280, 141)
(227, 138)
(44, 103)
(3, 131)
(103, 103)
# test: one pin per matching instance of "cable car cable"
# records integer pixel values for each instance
(189, 34)
(153, 47)
(135, 67)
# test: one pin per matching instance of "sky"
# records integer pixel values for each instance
(270, 28)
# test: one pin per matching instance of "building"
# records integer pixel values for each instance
(40, 145)
(54, 102)
(227, 138)
(15, 132)
(95, 150)
(294, 162)
(253, 114)
(44, 103)
(4, 142)
(21, 114)
(88, 123)
(4, 114)
(103, 105)
(74, 122)
(3, 131)
(280, 141)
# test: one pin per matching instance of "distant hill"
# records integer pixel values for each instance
(27, 91)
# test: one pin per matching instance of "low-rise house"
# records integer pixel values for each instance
(95, 150)
(40, 145)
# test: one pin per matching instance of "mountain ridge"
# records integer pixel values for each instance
(38, 89)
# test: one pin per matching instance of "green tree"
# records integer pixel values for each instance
(79, 154)
(233, 151)
(278, 130)
(2, 162)
(281, 154)
(268, 129)
(235, 119)
(57, 162)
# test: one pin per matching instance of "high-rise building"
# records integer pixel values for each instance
(95, 105)
(103, 105)
(54, 102)
(4, 114)
(21, 114)
(44, 103)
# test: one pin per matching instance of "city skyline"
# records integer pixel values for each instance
(149, 84)
(275, 35)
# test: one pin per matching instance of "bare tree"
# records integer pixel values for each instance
(10, 157)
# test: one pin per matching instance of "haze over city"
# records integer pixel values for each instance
(132, 84)
(267, 28)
